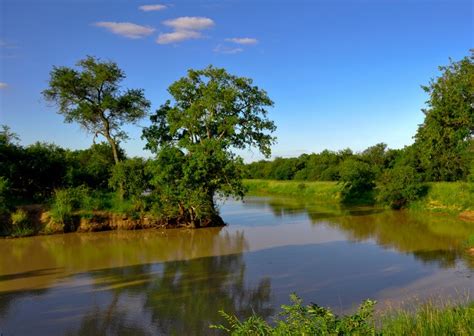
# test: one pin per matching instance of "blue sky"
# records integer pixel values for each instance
(342, 73)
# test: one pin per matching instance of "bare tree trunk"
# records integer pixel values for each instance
(114, 150)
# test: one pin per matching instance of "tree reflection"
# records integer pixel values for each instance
(428, 237)
(179, 297)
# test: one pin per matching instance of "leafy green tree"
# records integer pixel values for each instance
(399, 186)
(357, 178)
(213, 113)
(443, 138)
(93, 98)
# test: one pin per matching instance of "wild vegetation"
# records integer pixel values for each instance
(443, 150)
(193, 138)
(298, 319)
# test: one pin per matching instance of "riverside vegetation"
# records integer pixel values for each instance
(298, 319)
(192, 138)
(47, 189)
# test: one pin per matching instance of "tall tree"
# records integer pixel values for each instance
(443, 139)
(213, 113)
(92, 97)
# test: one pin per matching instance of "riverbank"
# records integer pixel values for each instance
(449, 197)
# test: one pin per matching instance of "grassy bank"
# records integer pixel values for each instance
(453, 197)
(317, 191)
(297, 319)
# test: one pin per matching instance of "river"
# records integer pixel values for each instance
(154, 282)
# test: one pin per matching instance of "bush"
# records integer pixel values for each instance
(62, 207)
(357, 180)
(305, 320)
(129, 178)
(399, 186)
(20, 224)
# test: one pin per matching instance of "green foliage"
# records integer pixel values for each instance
(357, 179)
(92, 166)
(327, 192)
(5, 201)
(447, 197)
(442, 141)
(399, 186)
(430, 320)
(297, 319)
(212, 114)
(67, 201)
(129, 178)
(62, 206)
(20, 224)
(92, 97)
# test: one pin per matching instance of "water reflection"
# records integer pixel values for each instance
(176, 297)
(430, 237)
(175, 281)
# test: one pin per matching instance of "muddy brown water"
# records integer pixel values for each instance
(174, 282)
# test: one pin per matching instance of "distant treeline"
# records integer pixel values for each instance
(328, 165)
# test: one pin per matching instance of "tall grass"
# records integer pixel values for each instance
(431, 320)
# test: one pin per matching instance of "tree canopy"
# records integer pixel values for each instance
(92, 97)
(213, 113)
(443, 139)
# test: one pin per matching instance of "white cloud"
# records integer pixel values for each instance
(126, 29)
(243, 40)
(3, 85)
(178, 36)
(189, 23)
(150, 8)
(227, 50)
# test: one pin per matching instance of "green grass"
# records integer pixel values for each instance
(447, 197)
(317, 191)
(452, 197)
(431, 320)
(297, 319)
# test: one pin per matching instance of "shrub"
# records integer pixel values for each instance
(305, 320)
(62, 207)
(357, 180)
(20, 224)
(399, 186)
(129, 178)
